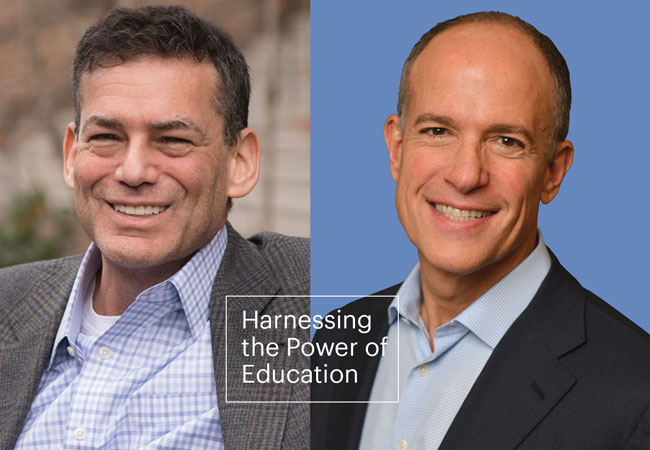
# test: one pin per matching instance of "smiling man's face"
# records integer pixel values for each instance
(471, 164)
(149, 166)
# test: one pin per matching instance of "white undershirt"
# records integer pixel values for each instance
(93, 324)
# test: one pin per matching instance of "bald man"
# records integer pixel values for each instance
(492, 344)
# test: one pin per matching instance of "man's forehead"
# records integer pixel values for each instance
(184, 66)
(483, 74)
(165, 87)
(500, 51)
(477, 41)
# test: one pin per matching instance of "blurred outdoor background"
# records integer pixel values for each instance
(37, 44)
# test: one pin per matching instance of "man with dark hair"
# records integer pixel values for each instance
(490, 342)
(126, 347)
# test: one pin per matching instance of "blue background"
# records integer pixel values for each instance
(598, 224)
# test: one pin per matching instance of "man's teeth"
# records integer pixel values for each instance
(139, 210)
(461, 214)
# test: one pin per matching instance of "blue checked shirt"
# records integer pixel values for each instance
(147, 382)
(433, 385)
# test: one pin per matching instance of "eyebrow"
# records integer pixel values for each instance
(495, 128)
(443, 120)
(167, 125)
(102, 122)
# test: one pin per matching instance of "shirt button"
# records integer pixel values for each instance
(104, 353)
(79, 434)
(407, 322)
(70, 351)
(423, 370)
(402, 445)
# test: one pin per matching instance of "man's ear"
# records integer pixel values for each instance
(244, 164)
(393, 137)
(557, 168)
(69, 154)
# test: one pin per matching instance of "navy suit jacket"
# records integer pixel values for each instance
(571, 373)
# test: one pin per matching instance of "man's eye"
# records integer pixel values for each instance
(511, 142)
(436, 131)
(173, 140)
(103, 137)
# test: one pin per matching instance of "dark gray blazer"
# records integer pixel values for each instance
(33, 298)
(571, 373)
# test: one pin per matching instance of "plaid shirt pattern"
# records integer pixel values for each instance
(147, 382)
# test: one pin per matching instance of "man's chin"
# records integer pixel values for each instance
(456, 268)
(136, 257)
(453, 261)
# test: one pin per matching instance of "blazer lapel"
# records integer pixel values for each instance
(244, 271)
(33, 318)
(523, 379)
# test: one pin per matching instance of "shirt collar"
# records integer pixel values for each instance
(193, 283)
(490, 316)
(195, 279)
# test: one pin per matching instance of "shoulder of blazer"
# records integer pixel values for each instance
(371, 304)
(565, 314)
(376, 308)
(32, 294)
(266, 262)
(32, 300)
(338, 425)
(288, 257)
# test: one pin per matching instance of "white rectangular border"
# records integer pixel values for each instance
(354, 297)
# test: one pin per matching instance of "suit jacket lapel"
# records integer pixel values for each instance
(244, 271)
(523, 379)
(33, 319)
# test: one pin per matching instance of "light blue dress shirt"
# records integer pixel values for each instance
(433, 385)
(147, 382)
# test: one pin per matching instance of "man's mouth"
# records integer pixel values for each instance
(141, 210)
(461, 214)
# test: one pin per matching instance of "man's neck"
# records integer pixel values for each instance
(445, 295)
(116, 286)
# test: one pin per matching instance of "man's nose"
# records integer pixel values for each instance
(467, 167)
(137, 165)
